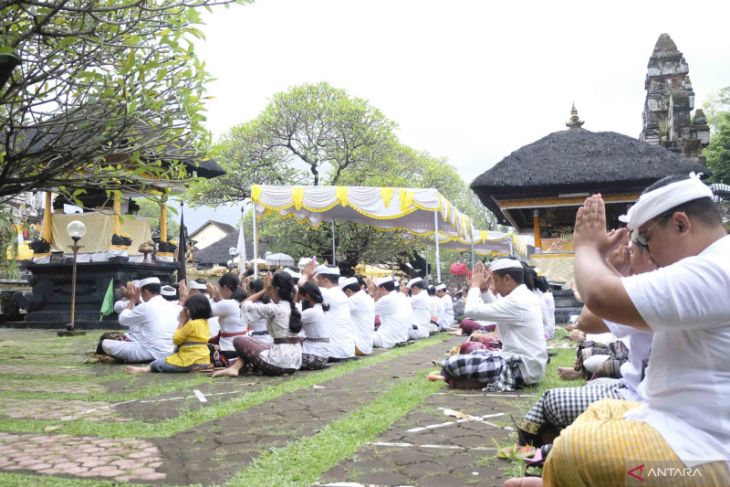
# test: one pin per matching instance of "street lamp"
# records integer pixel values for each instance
(75, 230)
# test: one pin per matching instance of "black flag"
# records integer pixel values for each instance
(182, 246)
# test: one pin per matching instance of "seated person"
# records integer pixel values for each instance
(362, 313)
(442, 292)
(284, 322)
(200, 286)
(524, 354)
(422, 318)
(315, 348)
(258, 328)
(227, 309)
(191, 339)
(396, 315)
(684, 422)
(155, 319)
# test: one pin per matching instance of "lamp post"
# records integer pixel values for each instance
(75, 230)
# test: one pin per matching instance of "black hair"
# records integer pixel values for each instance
(198, 307)
(517, 275)
(333, 278)
(419, 284)
(285, 289)
(542, 284)
(229, 281)
(529, 276)
(388, 286)
(431, 290)
(313, 294)
(257, 285)
(153, 288)
(702, 209)
(354, 287)
(239, 295)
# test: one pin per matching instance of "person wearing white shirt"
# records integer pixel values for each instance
(231, 322)
(558, 408)
(341, 332)
(685, 419)
(437, 307)
(448, 305)
(154, 318)
(543, 287)
(523, 356)
(200, 286)
(421, 327)
(257, 326)
(284, 355)
(315, 348)
(395, 318)
(362, 312)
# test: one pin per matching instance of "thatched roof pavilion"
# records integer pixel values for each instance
(539, 187)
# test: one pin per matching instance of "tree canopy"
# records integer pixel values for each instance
(104, 92)
(717, 152)
(316, 134)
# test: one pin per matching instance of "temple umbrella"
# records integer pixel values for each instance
(280, 260)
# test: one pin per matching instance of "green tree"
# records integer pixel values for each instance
(101, 90)
(717, 152)
(150, 209)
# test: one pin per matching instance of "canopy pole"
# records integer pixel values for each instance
(511, 250)
(163, 218)
(471, 229)
(436, 240)
(255, 246)
(334, 249)
(47, 228)
(242, 245)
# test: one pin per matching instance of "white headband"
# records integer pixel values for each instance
(346, 281)
(501, 264)
(656, 202)
(325, 269)
(149, 280)
(441, 287)
(417, 280)
(198, 286)
(168, 291)
(383, 280)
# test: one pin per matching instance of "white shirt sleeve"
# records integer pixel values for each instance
(136, 316)
(691, 294)
(501, 310)
(224, 308)
(120, 306)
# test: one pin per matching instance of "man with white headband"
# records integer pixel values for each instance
(341, 333)
(523, 356)
(442, 292)
(396, 316)
(362, 313)
(421, 327)
(685, 421)
(154, 317)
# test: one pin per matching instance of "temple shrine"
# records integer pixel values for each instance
(538, 188)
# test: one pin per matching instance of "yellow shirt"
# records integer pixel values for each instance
(192, 331)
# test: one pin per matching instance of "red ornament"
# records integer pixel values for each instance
(458, 269)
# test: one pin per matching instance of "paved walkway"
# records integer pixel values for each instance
(426, 447)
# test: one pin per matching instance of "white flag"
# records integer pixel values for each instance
(241, 249)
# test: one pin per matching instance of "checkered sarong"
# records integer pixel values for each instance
(495, 372)
(561, 406)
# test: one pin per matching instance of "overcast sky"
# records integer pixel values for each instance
(471, 81)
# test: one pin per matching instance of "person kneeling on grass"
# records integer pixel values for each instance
(191, 339)
(524, 354)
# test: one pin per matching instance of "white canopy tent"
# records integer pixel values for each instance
(486, 242)
(418, 211)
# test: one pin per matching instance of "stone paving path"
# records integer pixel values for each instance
(430, 448)
(118, 459)
(234, 441)
(426, 447)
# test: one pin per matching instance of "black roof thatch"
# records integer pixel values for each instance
(578, 160)
(217, 253)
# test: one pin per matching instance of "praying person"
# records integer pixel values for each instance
(684, 422)
(154, 319)
(395, 317)
(442, 293)
(284, 322)
(422, 319)
(228, 311)
(524, 354)
(191, 338)
(258, 327)
(200, 286)
(315, 349)
(362, 313)
(341, 333)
